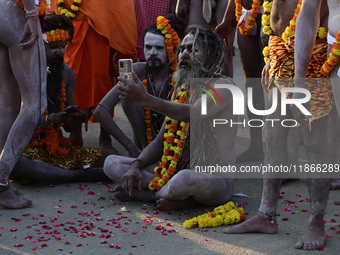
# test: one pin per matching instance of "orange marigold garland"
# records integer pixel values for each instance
(333, 59)
(174, 135)
(69, 13)
(171, 40)
(57, 35)
(41, 7)
(52, 137)
(147, 118)
(147, 112)
(246, 29)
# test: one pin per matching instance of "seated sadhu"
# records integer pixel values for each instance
(50, 157)
(170, 182)
(156, 74)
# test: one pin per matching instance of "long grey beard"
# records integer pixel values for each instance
(183, 76)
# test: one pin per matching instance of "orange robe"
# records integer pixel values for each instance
(102, 29)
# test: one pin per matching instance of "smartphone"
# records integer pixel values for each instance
(125, 69)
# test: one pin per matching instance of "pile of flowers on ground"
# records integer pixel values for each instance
(226, 214)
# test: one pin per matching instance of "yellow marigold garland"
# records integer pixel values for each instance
(226, 214)
(333, 59)
(246, 29)
(41, 7)
(265, 53)
(267, 6)
(69, 13)
(56, 35)
(171, 40)
(290, 30)
(174, 135)
(52, 137)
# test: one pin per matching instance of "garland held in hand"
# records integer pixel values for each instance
(333, 59)
(69, 13)
(246, 29)
(226, 214)
(175, 134)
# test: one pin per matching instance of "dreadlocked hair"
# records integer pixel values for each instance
(54, 21)
(213, 47)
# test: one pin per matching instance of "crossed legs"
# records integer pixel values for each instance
(184, 189)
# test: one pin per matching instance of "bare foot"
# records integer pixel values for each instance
(167, 205)
(314, 238)
(250, 155)
(259, 223)
(120, 194)
(9, 199)
(335, 184)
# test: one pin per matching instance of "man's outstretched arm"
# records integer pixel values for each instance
(136, 93)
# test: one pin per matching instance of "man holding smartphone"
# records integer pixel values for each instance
(156, 74)
(172, 183)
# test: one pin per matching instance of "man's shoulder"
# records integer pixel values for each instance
(139, 68)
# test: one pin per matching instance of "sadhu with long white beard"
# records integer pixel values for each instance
(170, 182)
